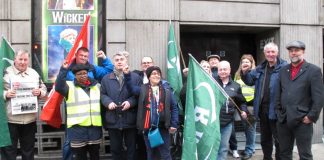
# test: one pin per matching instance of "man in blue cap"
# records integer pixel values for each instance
(298, 103)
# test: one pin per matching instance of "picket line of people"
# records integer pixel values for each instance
(285, 98)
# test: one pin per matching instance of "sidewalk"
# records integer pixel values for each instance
(317, 149)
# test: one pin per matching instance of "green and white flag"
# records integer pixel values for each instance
(6, 55)
(204, 98)
(174, 75)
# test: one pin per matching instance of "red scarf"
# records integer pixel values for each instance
(148, 102)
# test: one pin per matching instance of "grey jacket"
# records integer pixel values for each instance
(300, 97)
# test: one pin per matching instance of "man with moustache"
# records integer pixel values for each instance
(298, 103)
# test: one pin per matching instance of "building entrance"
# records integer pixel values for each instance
(228, 42)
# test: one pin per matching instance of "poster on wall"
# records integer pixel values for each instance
(61, 23)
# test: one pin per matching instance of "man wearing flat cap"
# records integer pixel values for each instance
(298, 103)
(213, 61)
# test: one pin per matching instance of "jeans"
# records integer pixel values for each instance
(225, 136)
(233, 141)
(25, 134)
(163, 150)
(250, 137)
(116, 137)
(67, 154)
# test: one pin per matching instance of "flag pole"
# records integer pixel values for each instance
(223, 91)
(180, 51)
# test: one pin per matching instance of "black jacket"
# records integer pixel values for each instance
(234, 91)
(169, 117)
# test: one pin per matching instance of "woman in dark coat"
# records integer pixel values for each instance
(157, 99)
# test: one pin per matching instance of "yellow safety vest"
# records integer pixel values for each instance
(82, 109)
(247, 91)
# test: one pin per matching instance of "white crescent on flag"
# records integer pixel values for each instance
(212, 98)
(9, 61)
(173, 60)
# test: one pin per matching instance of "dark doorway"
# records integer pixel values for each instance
(230, 42)
(229, 46)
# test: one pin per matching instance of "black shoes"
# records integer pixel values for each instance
(246, 156)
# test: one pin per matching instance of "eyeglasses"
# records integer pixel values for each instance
(155, 73)
(146, 62)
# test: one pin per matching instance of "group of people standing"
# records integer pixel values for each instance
(121, 104)
(126, 104)
(285, 98)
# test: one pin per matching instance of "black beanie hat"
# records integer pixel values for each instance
(79, 67)
(149, 70)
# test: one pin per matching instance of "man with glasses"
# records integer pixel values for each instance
(145, 63)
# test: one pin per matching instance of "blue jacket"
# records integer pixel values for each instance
(111, 91)
(256, 77)
(96, 72)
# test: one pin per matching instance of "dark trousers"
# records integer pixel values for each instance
(303, 134)
(116, 137)
(81, 152)
(25, 134)
(141, 149)
(268, 136)
(162, 151)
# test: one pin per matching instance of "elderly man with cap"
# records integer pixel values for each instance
(84, 124)
(298, 103)
(213, 61)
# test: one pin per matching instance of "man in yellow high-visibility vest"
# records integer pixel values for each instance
(83, 110)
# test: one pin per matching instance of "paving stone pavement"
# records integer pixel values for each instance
(317, 149)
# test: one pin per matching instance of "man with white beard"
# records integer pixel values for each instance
(298, 103)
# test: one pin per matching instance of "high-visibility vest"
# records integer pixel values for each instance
(80, 108)
(247, 91)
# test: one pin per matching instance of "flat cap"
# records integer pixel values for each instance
(296, 44)
(213, 56)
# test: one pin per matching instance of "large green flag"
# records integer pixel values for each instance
(204, 100)
(174, 75)
(6, 55)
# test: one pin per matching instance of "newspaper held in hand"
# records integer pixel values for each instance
(24, 102)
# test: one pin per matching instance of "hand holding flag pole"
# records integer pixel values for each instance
(240, 112)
